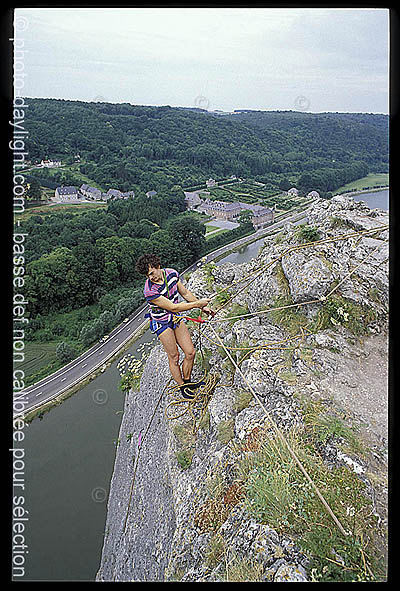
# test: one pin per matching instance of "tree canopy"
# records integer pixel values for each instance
(134, 147)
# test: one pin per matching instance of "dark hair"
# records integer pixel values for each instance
(145, 261)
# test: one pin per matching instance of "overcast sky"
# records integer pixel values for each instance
(217, 58)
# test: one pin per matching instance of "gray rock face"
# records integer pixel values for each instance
(308, 276)
(162, 541)
(141, 552)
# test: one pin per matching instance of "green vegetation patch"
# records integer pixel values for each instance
(336, 311)
(306, 233)
(226, 431)
(270, 484)
(186, 441)
(291, 318)
(323, 426)
(367, 182)
(39, 360)
(278, 494)
(237, 310)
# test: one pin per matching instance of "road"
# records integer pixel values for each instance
(79, 369)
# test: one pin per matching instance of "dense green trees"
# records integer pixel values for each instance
(73, 259)
(34, 191)
(144, 148)
(328, 179)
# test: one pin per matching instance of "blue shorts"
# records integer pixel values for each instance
(158, 327)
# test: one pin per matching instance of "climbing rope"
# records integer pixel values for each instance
(178, 406)
(253, 275)
(199, 402)
(308, 302)
(278, 345)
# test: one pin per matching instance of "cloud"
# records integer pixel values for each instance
(258, 55)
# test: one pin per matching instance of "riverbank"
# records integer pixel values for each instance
(101, 368)
(361, 191)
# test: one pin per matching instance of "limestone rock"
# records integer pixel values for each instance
(308, 276)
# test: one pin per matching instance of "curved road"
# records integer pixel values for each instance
(80, 368)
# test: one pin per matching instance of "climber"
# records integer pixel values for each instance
(161, 290)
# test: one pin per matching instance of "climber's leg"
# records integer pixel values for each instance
(167, 338)
(184, 340)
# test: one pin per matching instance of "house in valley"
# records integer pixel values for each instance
(91, 192)
(222, 210)
(49, 164)
(261, 215)
(117, 194)
(293, 192)
(63, 194)
(192, 200)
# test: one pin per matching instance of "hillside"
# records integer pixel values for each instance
(300, 368)
(129, 146)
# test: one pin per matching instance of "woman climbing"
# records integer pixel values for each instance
(162, 290)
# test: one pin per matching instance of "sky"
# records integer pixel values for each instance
(301, 59)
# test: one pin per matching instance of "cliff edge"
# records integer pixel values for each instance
(214, 495)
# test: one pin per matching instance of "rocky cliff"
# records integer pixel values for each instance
(215, 495)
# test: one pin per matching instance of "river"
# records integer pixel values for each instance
(69, 457)
(375, 199)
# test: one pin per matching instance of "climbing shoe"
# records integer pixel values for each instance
(186, 392)
(194, 385)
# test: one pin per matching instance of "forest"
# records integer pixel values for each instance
(143, 147)
(72, 259)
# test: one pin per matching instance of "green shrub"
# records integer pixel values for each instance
(242, 400)
(336, 311)
(214, 551)
(278, 494)
(65, 352)
(306, 233)
(184, 458)
(222, 295)
(292, 318)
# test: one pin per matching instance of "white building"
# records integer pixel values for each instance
(293, 192)
(66, 194)
(49, 164)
